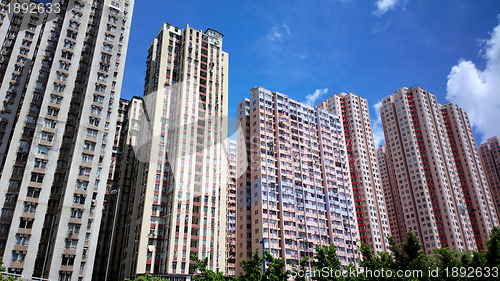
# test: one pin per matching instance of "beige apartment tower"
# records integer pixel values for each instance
(296, 192)
(391, 195)
(490, 157)
(371, 212)
(426, 177)
(61, 76)
(180, 191)
(473, 182)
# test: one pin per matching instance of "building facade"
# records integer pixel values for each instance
(490, 157)
(473, 182)
(296, 193)
(391, 194)
(180, 191)
(243, 185)
(61, 77)
(371, 209)
(231, 209)
(427, 180)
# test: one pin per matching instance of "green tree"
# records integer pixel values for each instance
(493, 248)
(275, 269)
(205, 274)
(252, 269)
(5, 277)
(381, 261)
(301, 270)
(325, 259)
(411, 257)
(445, 260)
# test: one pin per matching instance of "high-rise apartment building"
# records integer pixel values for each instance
(117, 190)
(243, 186)
(477, 194)
(490, 156)
(231, 209)
(61, 76)
(119, 215)
(369, 200)
(296, 193)
(427, 180)
(179, 206)
(391, 195)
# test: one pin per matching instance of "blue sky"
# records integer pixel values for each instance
(370, 48)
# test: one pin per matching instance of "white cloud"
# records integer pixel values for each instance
(279, 32)
(385, 5)
(314, 97)
(476, 90)
(378, 131)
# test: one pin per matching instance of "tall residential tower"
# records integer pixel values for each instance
(426, 178)
(179, 206)
(61, 76)
(477, 194)
(490, 156)
(231, 209)
(369, 200)
(296, 193)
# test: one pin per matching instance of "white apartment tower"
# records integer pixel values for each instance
(180, 191)
(369, 199)
(60, 81)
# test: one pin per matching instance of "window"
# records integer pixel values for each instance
(55, 99)
(84, 171)
(98, 98)
(61, 76)
(79, 199)
(89, 145)
(76, 213)
(40, 163)
(43, 149)
(83, 185)
(94, 121)
(25, 223)
(64, 65)
(50, 123)
(96, 110)
(33, 192)
(29, 207)
(65, 275)
(18, 256)
(37, 177)
(59, 87)
(87, 158)
(92, 133)
(70, 244)
(22, 239)
(100, 88)
(73, 228)
(47, 136)
(67, 54)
